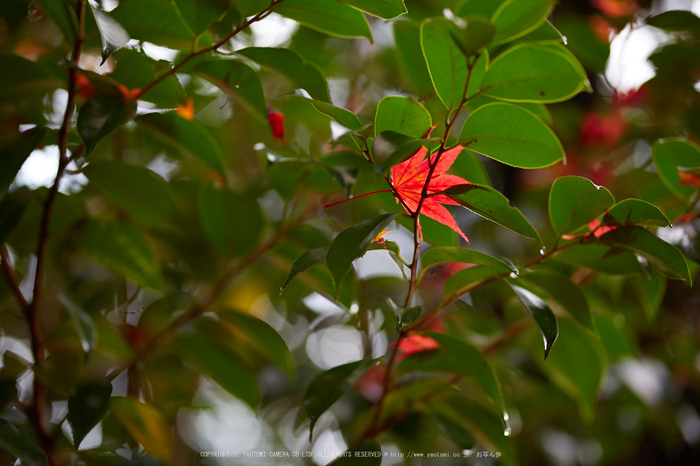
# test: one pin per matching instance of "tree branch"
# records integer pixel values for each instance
(211, 48)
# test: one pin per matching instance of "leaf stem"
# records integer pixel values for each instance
(13, 281)
(326, 206)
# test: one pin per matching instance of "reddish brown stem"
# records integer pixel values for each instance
(357, 197)
(39, 411)
(211, 48)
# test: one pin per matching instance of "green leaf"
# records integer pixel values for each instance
(478, 7)
(332, 18)
(83, 322)
(676, 21)
(602, 258)
(262, 337)
(16, 443)
(14, 154)
(146, 424)
(482, 422)
(403, 115)
(86, 407)
(138, 190)
(224, 366)
(564, 292)
(494, 206)
(12, 209)
(404, 316)
(367, 453)
(250, 7)
(385, 9)
(442, 254)
(63, 14)
(477, 34)
(303, 74)
(232, 223)
(672, 155)
(574, 201)
(113, 35)
(457, 357)
(339, 114)
(186, 137)
(199, 14)
(650, 292)
(452, 426)
(327, 387)
(22, 78)
(512, 135)
(352, 243)
(666, 257)
(155, 21)
(615, 337)
(541, 314)
(446, 62)
(136, 70)
(515, 18)
(635, 212)
(410, 57)
(577, 366)
(390, 148)
(534, 73)
(545, 33)
(100, 116)
(304, 263)
(467, 279)
(122, 248)
(238, 80)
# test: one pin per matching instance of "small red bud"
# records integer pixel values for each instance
(277, 125)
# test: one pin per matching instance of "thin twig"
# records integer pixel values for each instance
(39, 411)
(211, 48)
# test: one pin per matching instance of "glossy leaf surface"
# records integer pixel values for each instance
(577, 366)
(305, 262)
(457, 356)
(100, 116)
(492, 205)
(352, 243)
(511, 135)
(327, 387)
(541, 314)
(402, 115)
(672, 156)
(666, 257)
(86, 407)
(15, 442)
(303, 74)
(534, 73)
(332, 18)
(574, 201)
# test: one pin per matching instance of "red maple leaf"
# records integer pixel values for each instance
(408, 179)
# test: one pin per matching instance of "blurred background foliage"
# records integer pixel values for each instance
(175, 227)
